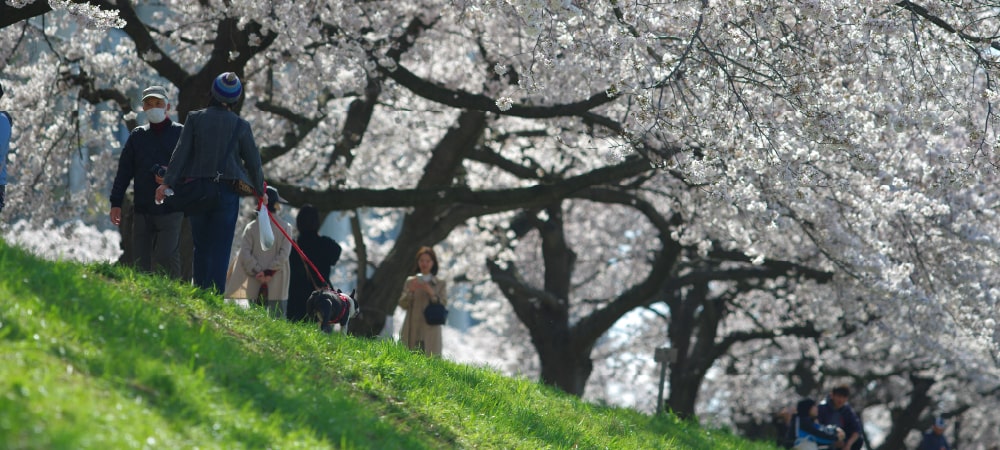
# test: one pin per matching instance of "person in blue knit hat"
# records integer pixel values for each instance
(227, 89)
(218, 145)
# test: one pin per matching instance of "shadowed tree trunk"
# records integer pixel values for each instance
(564, 348)
(563, 353)
(908, 418)
(128, 256)
(695, 314)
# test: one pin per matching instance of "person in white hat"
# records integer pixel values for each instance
(156, 229)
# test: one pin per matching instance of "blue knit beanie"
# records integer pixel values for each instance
(227, 88)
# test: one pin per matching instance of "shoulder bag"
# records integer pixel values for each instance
(435, 313)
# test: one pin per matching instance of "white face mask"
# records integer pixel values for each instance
(156, 115)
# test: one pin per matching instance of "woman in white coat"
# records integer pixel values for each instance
(254, 268)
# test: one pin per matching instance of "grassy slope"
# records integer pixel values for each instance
(96, 356)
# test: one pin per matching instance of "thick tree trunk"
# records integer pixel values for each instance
(563, 364)
(128, 256)
(906, 419)
(694, 326)
(566, 363)
(684, 388)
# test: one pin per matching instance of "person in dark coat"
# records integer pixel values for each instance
(934, 438)
(202, 150)
(835, 410)
(321, 250)
(156, 229)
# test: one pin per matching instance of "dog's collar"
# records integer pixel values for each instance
(343, 311)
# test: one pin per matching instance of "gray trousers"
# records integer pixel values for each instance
(156, 239)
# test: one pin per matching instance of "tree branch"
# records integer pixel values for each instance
(145, 46)
(591, 327)
(10, 15)
(302, 126)
(479, 202)
(461, 99)
(944, 25)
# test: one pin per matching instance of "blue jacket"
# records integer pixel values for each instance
(806, 429)
(204, 142)
(933, 441)
(6, 128)
(144, 148)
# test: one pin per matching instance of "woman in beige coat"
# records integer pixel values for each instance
(418, 291)
(253, 266)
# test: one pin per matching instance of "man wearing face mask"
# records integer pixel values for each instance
(156, 229)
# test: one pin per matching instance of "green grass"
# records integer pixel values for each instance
(98, 356)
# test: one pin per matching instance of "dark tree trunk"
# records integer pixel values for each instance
(906, 419)
(563, 364)
(693, 324)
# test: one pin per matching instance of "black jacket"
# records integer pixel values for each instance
(144, 148)
(324, 254)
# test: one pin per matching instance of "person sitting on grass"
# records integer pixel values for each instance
(808, 433)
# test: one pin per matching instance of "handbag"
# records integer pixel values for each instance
(243, 189)
(264, 227)
(435, 313)
(195, 196)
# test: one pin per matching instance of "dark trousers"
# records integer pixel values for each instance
(212, 234)
(156, 239)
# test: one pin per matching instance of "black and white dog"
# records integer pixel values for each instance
(331, 307)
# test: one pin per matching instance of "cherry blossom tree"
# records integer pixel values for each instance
(762, 184)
